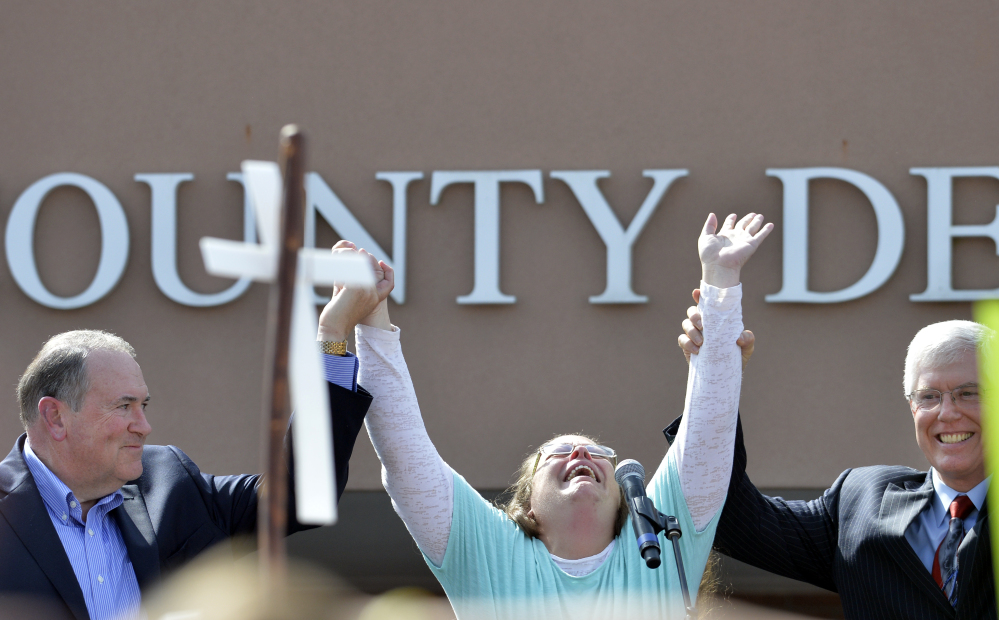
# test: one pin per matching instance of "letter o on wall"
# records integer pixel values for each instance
(21, 233)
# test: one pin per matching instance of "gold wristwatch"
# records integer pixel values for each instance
(330, 347)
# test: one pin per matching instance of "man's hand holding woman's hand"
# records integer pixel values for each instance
(691, 339)
(353, 305)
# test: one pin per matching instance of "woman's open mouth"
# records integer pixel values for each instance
(580, 470)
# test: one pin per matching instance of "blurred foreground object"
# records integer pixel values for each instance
(213, 587)
(987, 313)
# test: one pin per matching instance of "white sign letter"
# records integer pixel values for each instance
(891, 235)
(321, 198)
(619, 241)
(21, 232)
(163, 200)
(487, 224)
(940, 229)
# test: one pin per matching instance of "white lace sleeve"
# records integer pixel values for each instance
(705, 442)
(416, 478)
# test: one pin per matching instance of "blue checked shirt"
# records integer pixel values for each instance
(341, 370)
(95, 547)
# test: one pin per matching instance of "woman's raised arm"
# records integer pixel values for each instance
(414, 475)
(706, 438)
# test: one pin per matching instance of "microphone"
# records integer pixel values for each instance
(630, 475)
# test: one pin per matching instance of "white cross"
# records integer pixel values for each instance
(315, 479)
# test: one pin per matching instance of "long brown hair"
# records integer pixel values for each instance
(516, 500)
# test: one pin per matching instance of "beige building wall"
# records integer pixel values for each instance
(723, 89)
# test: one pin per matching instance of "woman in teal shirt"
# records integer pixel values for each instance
(563, 547)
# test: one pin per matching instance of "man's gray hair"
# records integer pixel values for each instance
(941, 344)
(59, 370)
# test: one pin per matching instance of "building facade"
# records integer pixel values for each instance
(537, 174)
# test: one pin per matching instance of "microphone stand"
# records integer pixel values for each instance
(668, 523)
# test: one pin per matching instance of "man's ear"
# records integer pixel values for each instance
(51, 416)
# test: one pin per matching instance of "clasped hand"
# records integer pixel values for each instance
(353, 305)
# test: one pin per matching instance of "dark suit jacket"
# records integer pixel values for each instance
(169, 514)
(852, 541)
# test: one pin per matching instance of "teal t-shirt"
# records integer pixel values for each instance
(491, 569)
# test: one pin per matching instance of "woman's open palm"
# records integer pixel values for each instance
(731, 247)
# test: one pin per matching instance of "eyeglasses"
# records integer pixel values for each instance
(565, 449)
(966, 396)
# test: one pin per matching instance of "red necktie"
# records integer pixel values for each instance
(945, 560)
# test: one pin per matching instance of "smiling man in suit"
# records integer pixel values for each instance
(894, 542)
(90, 516)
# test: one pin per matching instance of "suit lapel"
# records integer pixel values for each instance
(25, 512)
(137, 532)
(899, 508)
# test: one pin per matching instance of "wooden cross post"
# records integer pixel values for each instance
(293, 369)
(272, 520)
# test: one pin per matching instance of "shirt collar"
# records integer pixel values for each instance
(946, 495)
(57, 497)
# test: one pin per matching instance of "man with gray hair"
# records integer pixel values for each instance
(894, 542)
(90, 516)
